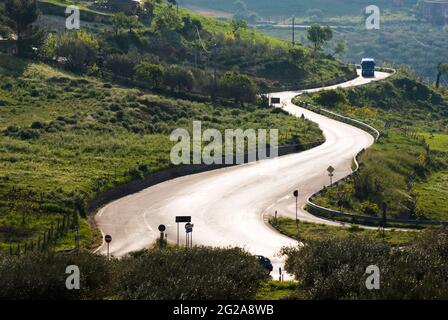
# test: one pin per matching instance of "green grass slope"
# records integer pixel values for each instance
(66, 138)
(407, 168)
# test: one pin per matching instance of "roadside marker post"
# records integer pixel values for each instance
(331, 174)
(108, 240)
(162, 229)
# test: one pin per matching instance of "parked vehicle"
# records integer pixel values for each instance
(265, 263)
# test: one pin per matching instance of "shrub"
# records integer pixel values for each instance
(336, 268)
(79, 48)
(331, 98)
(178, 78)
(121, 64)
(199, 273)
(149, 73)
(239, 87)
(42, 276)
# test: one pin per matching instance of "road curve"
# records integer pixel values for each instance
(228, 205)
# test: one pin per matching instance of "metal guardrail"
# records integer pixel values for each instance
(330, 213)
(362, 124)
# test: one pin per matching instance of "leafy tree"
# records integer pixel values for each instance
(119, 21)
(48, 48)
(20, 16)
(122, 64)
(167, 19)
(150, 73)
(238, 86)
(319, 36)
(79, 48)
(131, 23)
(237, 25)
(190, 27)
(207, 274)
(442, 69)
(298, 55)
(147, 9)
(4, 29)
(178, 78)
(331, 98)
(339, 49)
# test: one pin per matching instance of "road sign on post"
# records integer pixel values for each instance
(181, 219)
(162, 229)
(296, 195)
(108, 240)
(330, 171)
(189, 235)
(275, 100)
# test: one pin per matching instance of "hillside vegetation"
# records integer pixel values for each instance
(410, 156)
(164, 35)
(66, 138)
(91, 109)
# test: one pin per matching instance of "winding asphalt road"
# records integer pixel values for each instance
(229, 206)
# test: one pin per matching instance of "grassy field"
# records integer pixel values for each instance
(307, 231)
(66, 138)
(433, 192)
(278, 290)
(437, 141)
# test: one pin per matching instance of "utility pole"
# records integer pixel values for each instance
(293, 31)
(215, 73)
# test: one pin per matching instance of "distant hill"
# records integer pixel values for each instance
(287, 8)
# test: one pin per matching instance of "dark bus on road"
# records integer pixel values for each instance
(368, 67)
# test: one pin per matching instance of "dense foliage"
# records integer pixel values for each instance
(195, 274)
(199, 273)
(336, 268)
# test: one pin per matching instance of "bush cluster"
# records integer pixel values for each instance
(199, 273)
(336, 268)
